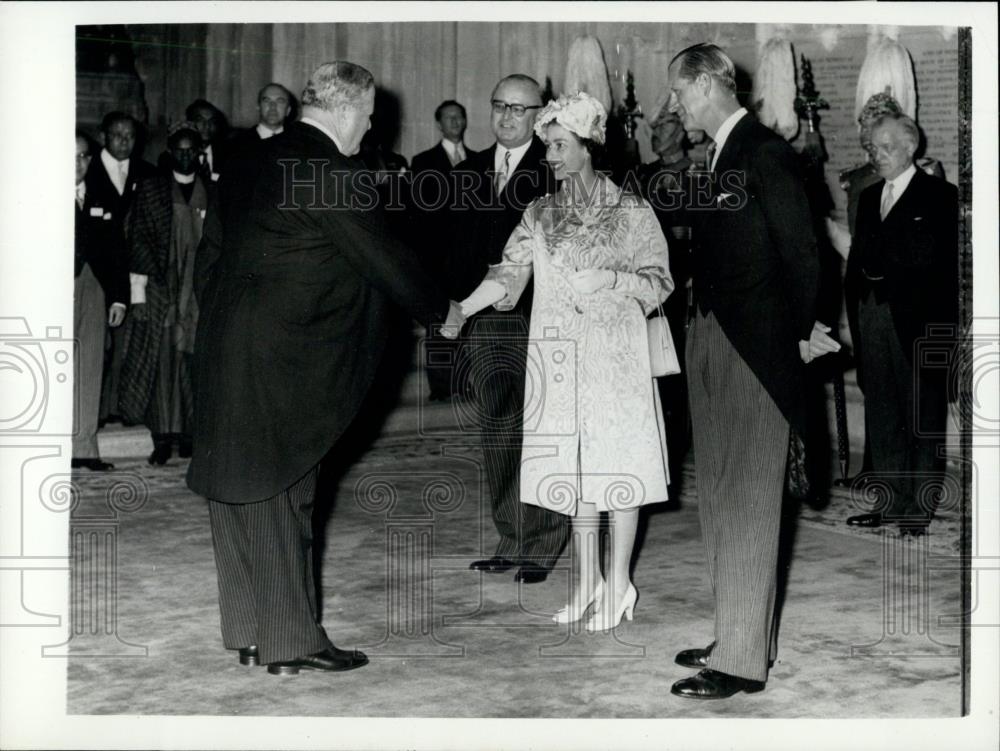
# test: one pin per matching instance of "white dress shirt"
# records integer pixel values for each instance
(264, 132)
(117, 171)
(516, 154)
(455, 151)
(723, 133)
(899, 183)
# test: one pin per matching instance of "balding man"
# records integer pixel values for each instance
(902, 277)
(755, 276)
(292, 327)
(492, 189)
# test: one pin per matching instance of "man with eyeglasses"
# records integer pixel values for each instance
(490, 192)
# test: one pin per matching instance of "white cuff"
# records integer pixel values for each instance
(138, 284)
(487, 293)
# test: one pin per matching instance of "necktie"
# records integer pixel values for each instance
(503, 174)
(81, 194)
(122, 176)
(886, 201)
(709, 156)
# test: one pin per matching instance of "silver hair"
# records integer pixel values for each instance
(906, 124)
(335, 84)
(709, 59)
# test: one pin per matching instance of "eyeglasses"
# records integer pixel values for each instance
(517, 110)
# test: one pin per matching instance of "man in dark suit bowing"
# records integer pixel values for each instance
(429, 202)
(755, 277)
(293, 323)
(491, 191)
(902, 277)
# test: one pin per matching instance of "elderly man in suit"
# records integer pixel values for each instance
(491, 191)
(100, 298)
(755, 277)
(112, 180)
(902, 277)
(429, 202)
(292, 327)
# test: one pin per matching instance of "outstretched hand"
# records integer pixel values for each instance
(819, 343)
(452, 326)
(589, 281)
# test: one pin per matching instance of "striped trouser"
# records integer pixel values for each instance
(264, 559)
(90, 321)
(497, 350)
(741, 447)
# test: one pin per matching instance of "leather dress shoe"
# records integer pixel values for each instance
(94, 465)
(712, 684)
(249, 656)
(330, 660)
(161, 453)
(529, 573)
(694, 658)
(870, 521)
(494, 565)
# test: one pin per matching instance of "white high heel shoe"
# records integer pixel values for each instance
(602, 620)
(567, 615)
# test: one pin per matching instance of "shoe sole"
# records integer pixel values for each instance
(295, 669)
(751, 690)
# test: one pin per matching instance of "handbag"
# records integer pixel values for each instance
(662, 352)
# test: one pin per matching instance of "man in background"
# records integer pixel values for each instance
(274, 106)
(502, 181)
(100, 297)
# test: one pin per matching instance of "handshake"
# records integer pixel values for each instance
(452, 325)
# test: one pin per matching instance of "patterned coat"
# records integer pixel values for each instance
(149, 229)
(593, 427)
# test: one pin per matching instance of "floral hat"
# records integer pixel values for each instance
(578, 113)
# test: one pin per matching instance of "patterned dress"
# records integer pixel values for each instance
(593, 426)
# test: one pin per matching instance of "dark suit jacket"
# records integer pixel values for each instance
(294, 317)
(93, 248)
(917, 249)
(427, 200)
(755, 263)
(482, 221)
(108, 238)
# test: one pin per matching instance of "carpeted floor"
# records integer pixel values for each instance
(865, 628)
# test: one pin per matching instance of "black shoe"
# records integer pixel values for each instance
(529, 573)
(869, 521)
(711, 684)
(694, 658)
(331, 660)
(94, 465)
(184, 450)
(249, 656)
(494, 565)
(161, 452)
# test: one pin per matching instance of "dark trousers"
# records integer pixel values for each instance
(497, 348)
(264, 559)
(740, 450)
(90, 321)
(905, 416)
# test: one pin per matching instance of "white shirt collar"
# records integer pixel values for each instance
(455, 151)
(264, 132)
(516, 154)
(183, 179)
(323, 129)
(81, 190)
(115, 169)
(723, 133)
(900, 182)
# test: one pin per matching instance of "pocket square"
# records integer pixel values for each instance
(107, 216)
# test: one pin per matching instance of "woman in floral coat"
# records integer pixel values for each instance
(593, 430)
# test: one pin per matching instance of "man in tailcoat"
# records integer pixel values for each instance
(292, 326)
(111, 184)
(902, 278)
(491, 189)
(429, 202)
(755, 274)
(100, 299)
